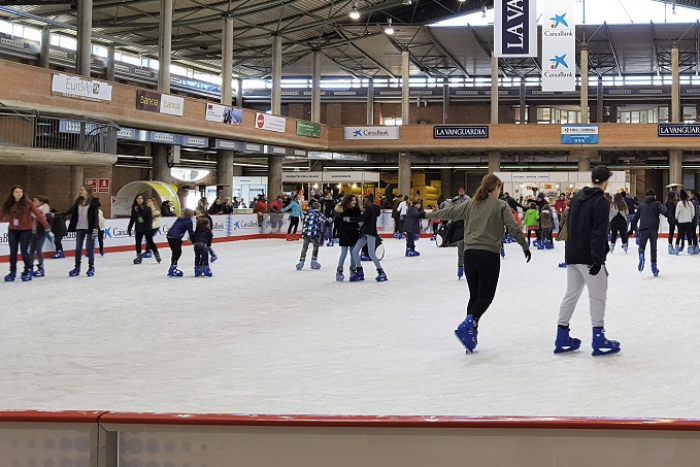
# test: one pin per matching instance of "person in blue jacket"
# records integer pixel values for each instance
(294, 217)
(182, 225)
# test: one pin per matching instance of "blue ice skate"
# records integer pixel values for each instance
(59, 255)
(315, 264)
(642, 260)
(74, 272)
(654, 269)
(11, 276)
(339, 275)
(207, 272)
(91, 271)
(603, 346)
(174, 271)
(357, 275)
(625, 247)
(212, 256)
(549, 245)
(677, 250)
(381, 275)
(671, 250)
(503, 252)
(39, 272)
(460, 272)
(363, 257)
(300, 265)
(147, 254)
(563, 265)
(612, 248)
(26, 276)
(197, 271)
(467, 334)
(564, 342)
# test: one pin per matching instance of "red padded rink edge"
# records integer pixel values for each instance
(356, 421)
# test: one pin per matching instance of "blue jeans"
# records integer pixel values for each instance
(343, 254)
(371, 242)
(84, 236)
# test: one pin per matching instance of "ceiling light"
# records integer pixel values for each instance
(483, 11)
(406, 2)
(389, 29)
(461, 1)
(355, 12)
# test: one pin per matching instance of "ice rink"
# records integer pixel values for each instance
(261, 337)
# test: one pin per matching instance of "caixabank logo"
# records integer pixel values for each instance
(3, 239)
(116, 232)
(558, 68)
(241, 225)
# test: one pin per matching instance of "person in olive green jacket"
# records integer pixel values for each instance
(562, 234)
(485, 219)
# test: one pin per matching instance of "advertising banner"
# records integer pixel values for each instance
(312, 130)
(371, 132)
(270, 122)
(579, 134)
(461, 132)
(77, 87)
(679, 129)
(160, 103)
(558, 46)
(515, 28)
(224, 114)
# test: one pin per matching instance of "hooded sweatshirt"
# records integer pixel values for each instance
(647, 215)
(587, 227)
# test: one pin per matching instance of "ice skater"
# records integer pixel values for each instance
(368, 236)
(562, 235)
(180, 227)
(546, 225)
(18, 211)
(312, 232)
(411, 226)
(671, 208)
(142, 222)
(532, 223)
(485, 217)
(295, 216)
(155, 223)
(85, 222)
(202, 242)
(36, 247)
(586, 247)
(199, 213)
(685, 217)
(646, 223)
(348, 233)
(618, 222)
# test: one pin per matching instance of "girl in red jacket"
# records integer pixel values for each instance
(18, 211)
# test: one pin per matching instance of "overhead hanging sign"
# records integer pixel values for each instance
(579, 134)
(461, 132)
(270, 122)
(515, 28)
(224, 114)
(160, 103)
(77, 87)
(558, 46)
(371, 132)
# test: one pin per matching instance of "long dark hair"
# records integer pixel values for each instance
(134, 204)
(345, 203)
(619, 202)
(10, 201)
(488, 184)
(90, 195)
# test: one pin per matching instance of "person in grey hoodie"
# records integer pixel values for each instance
(485, 218)
(646, 220)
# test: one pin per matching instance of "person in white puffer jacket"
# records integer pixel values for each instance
(685, 215)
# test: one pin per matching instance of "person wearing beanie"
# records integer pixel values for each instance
(586, 248)
(646, 223)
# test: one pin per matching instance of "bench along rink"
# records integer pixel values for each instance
(261, 337)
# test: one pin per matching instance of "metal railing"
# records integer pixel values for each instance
(32, 129)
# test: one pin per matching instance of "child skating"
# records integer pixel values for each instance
(202, 242)
(411, 226)
(312, 232)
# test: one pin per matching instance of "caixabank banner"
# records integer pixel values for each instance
(558, 46)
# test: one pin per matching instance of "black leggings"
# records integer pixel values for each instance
(618, 226)
(201, 255)
(651, 236)
(481, 269)
(687, 229)
(176, 248)
(58, 241)
(671, 230)
(293, 222)
(537, 234)
(150, 246)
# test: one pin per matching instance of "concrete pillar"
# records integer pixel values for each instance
(584, 83)
(45, 51)
(237, 171)
(224, 172)
(161, 171)
(84, 56)
(110, 62)
(599, 101)
(446, 182)
(532, 114)
(370, 102)
(523, 102)
(494, 90)
(675, 164)
(277, 80)
(494, 161)
(405, 103)
(227, 59)
(584, 159)
(239, 92)
(445, 100)
(165, 45)
(675, 86)
(76, 179)
(405, 173)
(274, 177)
(316, 88)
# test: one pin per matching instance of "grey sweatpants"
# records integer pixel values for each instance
(305, 248)
(460, 253)
(577, 276)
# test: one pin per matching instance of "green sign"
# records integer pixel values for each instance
(312, 130)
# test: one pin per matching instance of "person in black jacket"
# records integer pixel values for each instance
(142, 219)
(202, 243)
(348, 232)
(59, 231)
(411, 226)
(646, 221)
(671, 208)
(328, 211)
(368, 236)
(84, 221)
(586, 248)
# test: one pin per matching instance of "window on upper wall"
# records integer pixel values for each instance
(392, 122)
(67, 42)
(690, 114)
(5, 27)
(650, 115)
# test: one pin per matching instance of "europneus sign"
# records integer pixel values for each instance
(77, 87)
(461, 132)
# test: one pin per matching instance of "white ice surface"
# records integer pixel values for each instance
(261, 337)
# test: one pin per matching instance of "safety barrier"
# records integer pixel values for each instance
(111, 439)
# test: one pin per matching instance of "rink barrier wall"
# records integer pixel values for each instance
(111, 439)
